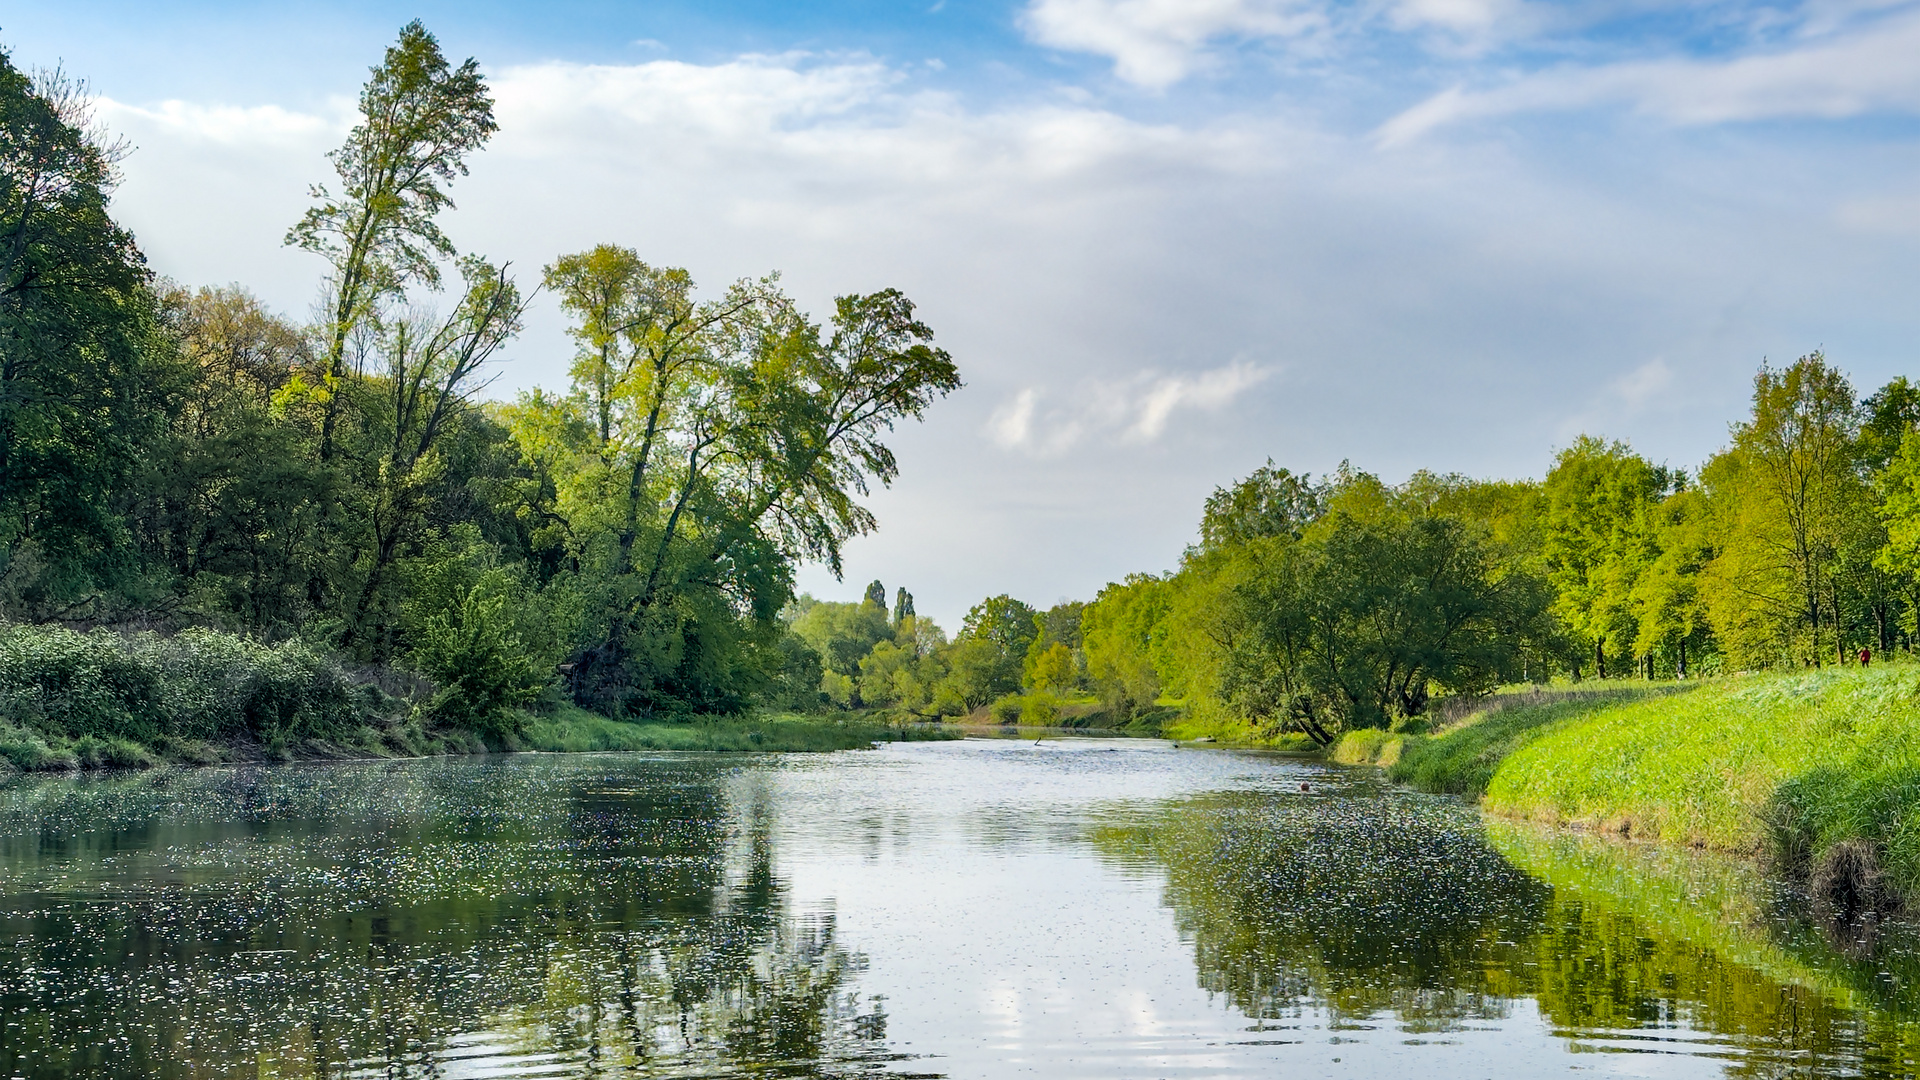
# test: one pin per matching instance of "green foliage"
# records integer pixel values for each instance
(84, 369)
(1350, 626)
(1118, 631)
(573, 730)
(1597, 542)
(471, 650)
(199, 684)
(1007, 708)
(1270, 502)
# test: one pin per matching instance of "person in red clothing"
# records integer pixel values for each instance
(1866, 656)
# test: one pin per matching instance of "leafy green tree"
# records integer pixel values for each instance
(83, 370)
(1118, 632)
(1596, 540)
(1353, 625)
(739, 440)
(1054, 671)
(1007, 626)
(1670, 613)
(843, 634)
(432, 369)
(1786, 494)
(227, 499)
(420, 118)
(1269, 502)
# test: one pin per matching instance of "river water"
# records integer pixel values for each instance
(987, 908)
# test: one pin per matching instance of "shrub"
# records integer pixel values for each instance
(1006, 710)
(1039, 709)
(58, 684)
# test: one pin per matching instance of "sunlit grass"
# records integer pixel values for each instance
(1791, 765)
(569, 729)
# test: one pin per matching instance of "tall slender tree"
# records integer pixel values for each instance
(420, 119)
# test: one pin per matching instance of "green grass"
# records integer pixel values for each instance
(1817, 770)
(573, 730)
(1462, 761)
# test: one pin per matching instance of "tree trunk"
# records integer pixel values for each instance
(1600, 658)
(1683, 659)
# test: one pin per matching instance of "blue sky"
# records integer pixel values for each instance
(1165, 240)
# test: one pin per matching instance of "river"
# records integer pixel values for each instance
(979, 909)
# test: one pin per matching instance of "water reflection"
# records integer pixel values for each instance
(415, 920)
(1384, 910)
(1065, 909)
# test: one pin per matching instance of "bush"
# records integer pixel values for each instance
(200, 684)
(1007, 709)
(472, 650)
(1039, 709)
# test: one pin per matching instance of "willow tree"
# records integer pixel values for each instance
(420, 118)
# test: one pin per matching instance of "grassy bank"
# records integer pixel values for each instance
(573, 730)
(73, 700)
(1817, 771)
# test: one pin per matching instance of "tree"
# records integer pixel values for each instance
(227, 499)
(1118, 631)
(738, 440)
(1007, 625)
(83, 369)
(432, 371)
(1269, 502)
(419, 120)
(1670, 613)
(1596, 540)
(1351, 626)
(1785, 495)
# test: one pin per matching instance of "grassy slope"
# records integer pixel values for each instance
(1462, 761)
(1792, 765)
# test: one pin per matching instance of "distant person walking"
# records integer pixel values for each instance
(1866, 656)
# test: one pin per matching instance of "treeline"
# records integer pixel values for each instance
(1022, 663)
(1317, 606)
(1341, 603)
(175, 457)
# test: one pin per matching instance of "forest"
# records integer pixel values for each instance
(199, 496)
(215, 513)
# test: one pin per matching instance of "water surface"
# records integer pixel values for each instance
(1092, 908)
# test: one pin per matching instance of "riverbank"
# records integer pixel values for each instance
(106, 700)
(1816, 772)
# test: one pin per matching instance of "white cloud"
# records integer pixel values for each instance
(1128, 410)
(231, 125)
(1885, 215)
(1868, 68)
(1459, 16)
(1156, 43)
(1012, 422)
(1644, 383)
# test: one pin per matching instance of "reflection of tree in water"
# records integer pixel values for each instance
(597, 916)
(1370, 904)
(1357, 904)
